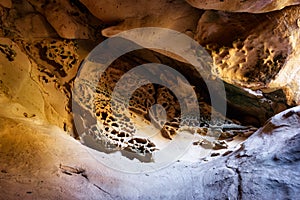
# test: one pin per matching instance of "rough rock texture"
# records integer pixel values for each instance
(34, 25)
(41, 50)
(54, 63)
(15, 82)
(6, 3)
(51, 64)
(265, 167)
(37, 86)
(251, 6)
(251, 49)
(68, 18)
(254, 51)
(176, 15)
(268, 162)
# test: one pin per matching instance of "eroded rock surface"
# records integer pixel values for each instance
(254, 51)
(265, 166)
(114, 125)
(41, 51)
(16, 85)
(6, 3)
(176, 15)
(268, 162)
(69, 19)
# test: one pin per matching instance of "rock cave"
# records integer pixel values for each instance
(164, 99)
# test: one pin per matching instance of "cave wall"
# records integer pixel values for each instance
(254, 46)
(252, 51)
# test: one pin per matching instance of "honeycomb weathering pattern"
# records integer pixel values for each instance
(114, 98)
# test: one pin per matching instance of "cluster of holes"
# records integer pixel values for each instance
(118, 127)
(141, 145)
(8, 52)
(263, 66)
(62, 52)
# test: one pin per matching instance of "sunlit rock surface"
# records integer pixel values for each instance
(17, 87)
(41, 90)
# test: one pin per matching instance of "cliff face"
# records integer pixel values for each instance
(254, 49)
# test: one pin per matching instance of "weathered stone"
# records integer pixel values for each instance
(251, 6)
(40, 161)
(254, 51)
(265, 167)
(176, 15)
(34, 26)
(6, 3)
(68, 19)
(268, 162)
(16, 85)
(39, 82)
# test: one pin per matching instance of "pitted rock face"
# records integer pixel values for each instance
(154, 104)
(259, 52)
(55, 63)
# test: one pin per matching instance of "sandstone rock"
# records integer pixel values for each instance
(268, 162)
(51, 62)
(176, 15)
(288, 76)
(251, 6)
(54, 65)
(223, 28)
(38, 83)
(34, 26)
(254, 51)
(40, 161)
(265, 167)
(6, 3)
(16, 85)
(67, 18)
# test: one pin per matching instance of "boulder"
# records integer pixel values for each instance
(6, 3)
(69, 19)
(259, 52)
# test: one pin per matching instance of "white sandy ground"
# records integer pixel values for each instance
(40, 161)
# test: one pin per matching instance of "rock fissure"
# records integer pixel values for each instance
(240, 184)
(102, 190)
(237, 172)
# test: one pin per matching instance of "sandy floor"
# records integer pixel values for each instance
(38, 160)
